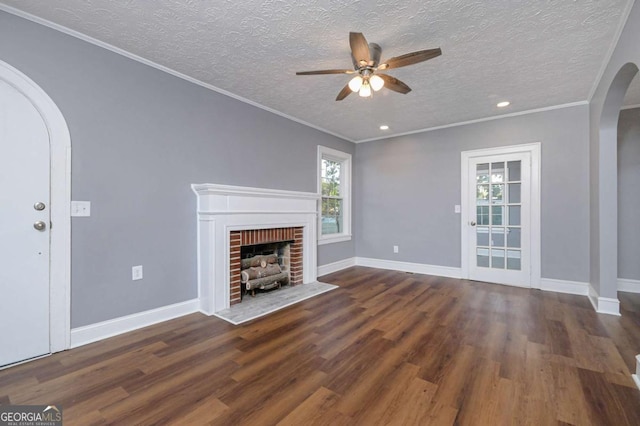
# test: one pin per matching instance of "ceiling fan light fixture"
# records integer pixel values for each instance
(376, 82)
(365, 90)
(355, 84)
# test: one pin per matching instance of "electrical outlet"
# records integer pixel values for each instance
(136, 272)
(80, 208)
(395, 249)
(456, 208)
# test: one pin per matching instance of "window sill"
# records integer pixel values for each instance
(329, 239)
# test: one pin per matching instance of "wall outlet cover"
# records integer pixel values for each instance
(136, 273)
(80, 208)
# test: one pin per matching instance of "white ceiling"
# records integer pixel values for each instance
(535, 54)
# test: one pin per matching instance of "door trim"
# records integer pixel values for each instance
(60, 193)
(534, 149)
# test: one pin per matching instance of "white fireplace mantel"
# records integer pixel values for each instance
(223, 208)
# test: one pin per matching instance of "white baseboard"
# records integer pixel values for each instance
(636, 377)
(603, 305)
(630, 286)
(563, 286)
(92, 333)
(330, 268)
(418, 268)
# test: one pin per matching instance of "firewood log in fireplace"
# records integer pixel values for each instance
(263, 260)
(259, 272)
(267, 283)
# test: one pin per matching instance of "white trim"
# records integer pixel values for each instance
(608, 306)
(563, 286)
(478, 120)
(630, 286)
(629, 107)
(60, 151)
(636, 377)
(417, 268)
(92, 333)
(534, 149)
(330, 268)
(603, 305)
(333, 238)
(624, 17)
(155, 65)
(247, 191)
(344, 159)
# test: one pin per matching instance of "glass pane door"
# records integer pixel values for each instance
(498, 227)
(498, 189)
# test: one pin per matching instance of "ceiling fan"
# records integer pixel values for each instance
(366, 64)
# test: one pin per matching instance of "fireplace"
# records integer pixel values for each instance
(230, 217)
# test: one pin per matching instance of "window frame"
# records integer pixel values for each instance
(345, 190)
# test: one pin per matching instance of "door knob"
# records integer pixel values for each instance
(40, 225)
(39, 206)
(473, 223)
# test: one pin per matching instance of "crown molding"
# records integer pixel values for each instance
(479, 120)
(129, 55)
(612, 48)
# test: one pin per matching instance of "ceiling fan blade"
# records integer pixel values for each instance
(343, 93)
(325, 72)
(410, 58)
(359, 48)
(394, 84)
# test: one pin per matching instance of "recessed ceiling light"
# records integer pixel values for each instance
(384, 127)
(503, 104)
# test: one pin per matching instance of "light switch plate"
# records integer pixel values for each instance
(456, 208)
(80, 208)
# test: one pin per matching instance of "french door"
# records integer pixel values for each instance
(497, 224)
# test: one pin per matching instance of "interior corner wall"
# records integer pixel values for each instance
(628, 194)
(408, 187)
(603, 268)
(140, 137)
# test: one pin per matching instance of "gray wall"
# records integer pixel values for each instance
(629, 194)
(140, 137)
(603, 120)
(408, 186)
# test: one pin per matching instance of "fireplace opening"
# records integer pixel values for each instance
(265, 266)
(264, 259)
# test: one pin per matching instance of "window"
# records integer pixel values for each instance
(334, 186)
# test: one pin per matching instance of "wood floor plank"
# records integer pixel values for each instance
(386, 347)
(317, 410)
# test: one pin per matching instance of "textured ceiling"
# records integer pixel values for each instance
(534, 53)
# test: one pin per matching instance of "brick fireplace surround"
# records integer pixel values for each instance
(238, 239)
(227, 215)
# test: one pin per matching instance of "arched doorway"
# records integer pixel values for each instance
(604, 185)
(59, 202)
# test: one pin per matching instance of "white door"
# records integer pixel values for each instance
(498, 226)
(24, 229)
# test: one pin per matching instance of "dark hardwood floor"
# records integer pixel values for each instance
(385, 348)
